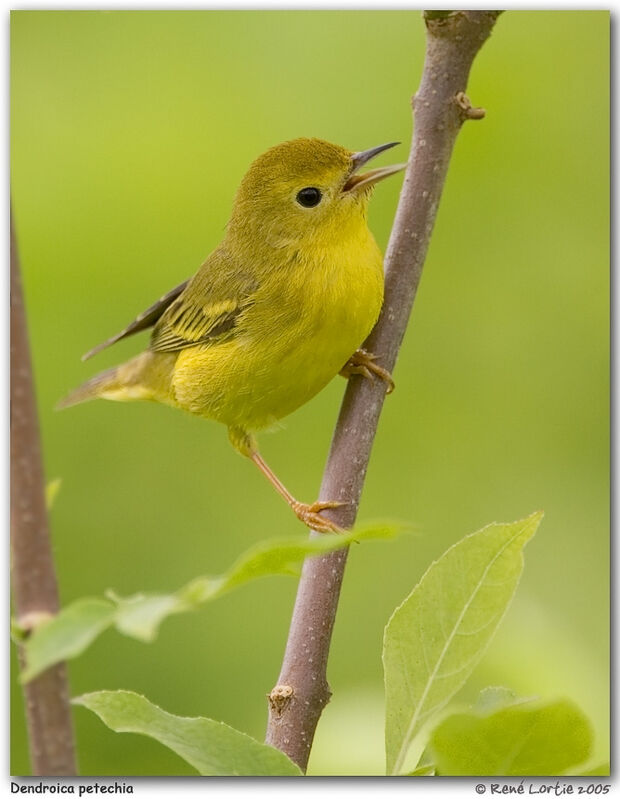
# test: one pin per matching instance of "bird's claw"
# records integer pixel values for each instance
(309, 515)
(363, 363)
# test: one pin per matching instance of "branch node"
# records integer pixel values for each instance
(438, 17)
(467, 110)
(280, 698)
(33, 619)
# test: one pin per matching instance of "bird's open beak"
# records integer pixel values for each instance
(355, 181)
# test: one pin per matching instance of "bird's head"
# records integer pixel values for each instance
(306, 189)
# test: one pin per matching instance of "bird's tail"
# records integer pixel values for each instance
(147, 376)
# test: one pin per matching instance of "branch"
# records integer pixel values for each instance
(440, 108)
(35, 595)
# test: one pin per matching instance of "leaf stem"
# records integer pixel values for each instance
(440, 107)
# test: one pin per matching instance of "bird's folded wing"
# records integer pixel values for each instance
(205, 313)
(143, 321)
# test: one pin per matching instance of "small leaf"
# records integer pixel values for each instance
(526, 739)
(51, 492)
(602, 770)
(213, 748)
(139, 616)
(66, 635)
(273, 557)
(422, 771)
(493, 698)
(439, 633)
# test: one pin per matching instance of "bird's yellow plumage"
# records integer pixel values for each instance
(276, 311)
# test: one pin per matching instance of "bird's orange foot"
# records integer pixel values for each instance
(309, 515)
(363, 363)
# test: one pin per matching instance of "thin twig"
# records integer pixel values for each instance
(35, 595)
(440, 108)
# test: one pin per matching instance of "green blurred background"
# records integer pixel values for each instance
(129, 134)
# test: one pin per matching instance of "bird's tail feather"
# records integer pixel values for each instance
(91, 389)
(146, 376)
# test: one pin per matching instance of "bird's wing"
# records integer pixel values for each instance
(207, 311)
(143, 321)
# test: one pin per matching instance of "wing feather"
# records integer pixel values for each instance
(204, 309)
(208, 311)
(188, 324)
(143, 321)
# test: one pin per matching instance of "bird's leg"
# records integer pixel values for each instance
(308, 514)
(363, 363)
(245, 443)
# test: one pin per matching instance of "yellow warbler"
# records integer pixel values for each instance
(275, 312)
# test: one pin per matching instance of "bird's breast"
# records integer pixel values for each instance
(323, 308)
(291, 341)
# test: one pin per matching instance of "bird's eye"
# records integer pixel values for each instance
(309, 197)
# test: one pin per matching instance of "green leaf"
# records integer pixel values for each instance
(525, 739)
(70, 632)
(139, 616)
(213, 748)
(439, 633)
(66, 635)
(422, 771)
(282, 557)
(51, 492)
(602, 770)
(495, 697)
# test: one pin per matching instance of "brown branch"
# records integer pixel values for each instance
(440, 108)
(35, 596)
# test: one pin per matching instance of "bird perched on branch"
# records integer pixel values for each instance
(278, 309)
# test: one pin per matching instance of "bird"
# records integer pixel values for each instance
(279, 308)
